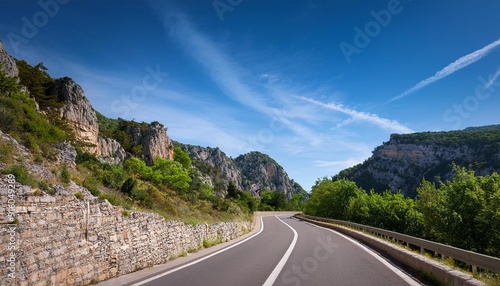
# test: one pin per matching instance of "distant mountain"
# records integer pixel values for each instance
(252, 172)
(403, 161)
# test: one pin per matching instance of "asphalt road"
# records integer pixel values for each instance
(286, 251)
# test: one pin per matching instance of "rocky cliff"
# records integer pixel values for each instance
(251, 172)
(82, 118)
(78, 111)
(74, 108)
(121, 138)
(8, 65)
(218, 169)
(110, 151)
(403, 161)
(154, 141)
(261, 172)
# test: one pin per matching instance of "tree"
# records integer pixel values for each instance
(332, 198)
(171, 173)
(266, 200)
(182, 157)
(321, 200)
(232, 191)
(463, 212)
(431, 203)
(295, 202)
(137, 168)
(279, 201)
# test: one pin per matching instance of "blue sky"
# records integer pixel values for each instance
(317, 85)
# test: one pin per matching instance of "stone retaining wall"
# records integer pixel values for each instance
(62, 240)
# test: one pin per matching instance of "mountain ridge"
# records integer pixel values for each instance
(253, 171)
(115, 140)
(402, 162)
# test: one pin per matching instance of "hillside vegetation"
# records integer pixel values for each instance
(401, 163)
(463, 212)
(29, 112)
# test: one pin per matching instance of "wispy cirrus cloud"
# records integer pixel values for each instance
(342, 163)
(451, 68)
(230, 77)
(210, 56)
(384, 123)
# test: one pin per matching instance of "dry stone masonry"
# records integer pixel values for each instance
(63, 240)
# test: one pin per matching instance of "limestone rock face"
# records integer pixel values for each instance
(401, 163)
(78, 111)
(66, 154)
(251, 172)
(8, 64)
(155, 142)
(110, 151)
(261, 172)
(217, 159)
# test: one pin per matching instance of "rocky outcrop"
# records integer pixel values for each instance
(403, 161)
(110, 151)
(154, 140)
(65, 240)
(83, 120)
(66, 154)
(79, 113)
(261, 172)
(7, 63)
(250, 172)
(214, 157)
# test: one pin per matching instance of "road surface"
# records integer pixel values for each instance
(286, 251)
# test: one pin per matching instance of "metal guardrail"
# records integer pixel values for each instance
(476, 260)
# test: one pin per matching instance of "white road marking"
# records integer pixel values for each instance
(394, 269)
(201, 259)
(274, 275)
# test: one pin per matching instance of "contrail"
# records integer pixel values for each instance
(451, 68)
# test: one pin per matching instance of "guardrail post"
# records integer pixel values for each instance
(474, 269)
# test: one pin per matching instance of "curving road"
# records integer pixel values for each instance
(286, 251)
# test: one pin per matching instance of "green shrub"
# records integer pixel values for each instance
(51, 191)
(22, 175)
(79, 195)
(143, 197)
(43, 186)
(38, 159)
(112, 198)
(128, 186)
(112, 175)
(7, 152)
(85, 157)
(65, 175)
(92, 184)
(209, 243)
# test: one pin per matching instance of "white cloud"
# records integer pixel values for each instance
(387, 124)
(451, 68)
(341, 163)
(229, 76)
(220, 68)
